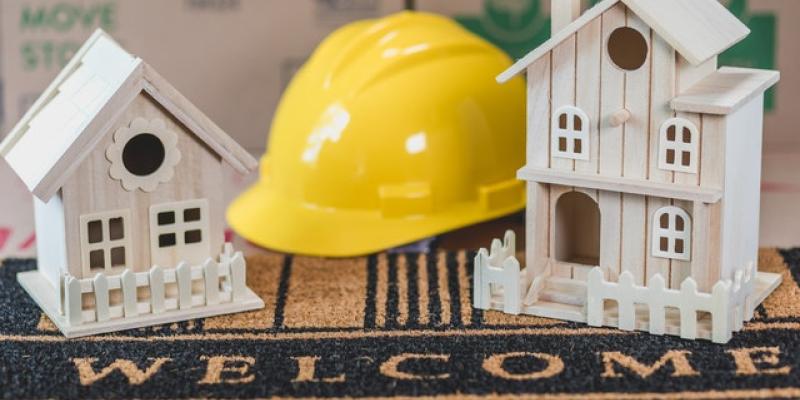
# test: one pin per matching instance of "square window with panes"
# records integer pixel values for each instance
(105, 242)
(180, 224)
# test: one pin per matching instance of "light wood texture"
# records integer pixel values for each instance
(47, 299)
(563, 95)
(610, 232)
(537, 222)
(662, 90)
(688, 74)
(181, 251)
(740, 209)
(698, 29)
(83, 102)
(555, 40)
(71, 104)
(557, 269)
(655, 265)
(681, 268)
(51, 240)
(689, 176)
(197, 122)
(637, 128)
(619, 118)
(725, 91)
(589, 51)
(707, 233)
(624, 185)
(539, 113)
(562, 13)
(634, 237)
(91, 189)
(495, 269)
(612, 99)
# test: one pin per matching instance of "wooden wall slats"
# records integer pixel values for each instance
(589, 45)
(662, 89)
(537, 234)
(538, 124)
(612, 98)
(637, 129)
(556, 192)
(610, 232)
(564, 88)
(682, 269)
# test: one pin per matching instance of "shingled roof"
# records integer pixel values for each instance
(62, 127)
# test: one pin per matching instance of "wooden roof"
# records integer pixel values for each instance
(69, 119)
(697, 29)
(724, 91)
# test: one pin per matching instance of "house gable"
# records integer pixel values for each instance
(91, 190)
(71, 116)
(697, 29)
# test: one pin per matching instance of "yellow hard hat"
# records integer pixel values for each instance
(394, 130)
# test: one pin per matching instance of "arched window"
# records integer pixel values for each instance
(678, 146)
(672, 234)
(570, 133)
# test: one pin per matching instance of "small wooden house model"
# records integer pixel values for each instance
(643, 173)
(126, 175)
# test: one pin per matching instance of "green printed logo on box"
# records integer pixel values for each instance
(60, 19)
(519, 26)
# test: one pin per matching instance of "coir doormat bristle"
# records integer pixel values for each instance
(392, 325)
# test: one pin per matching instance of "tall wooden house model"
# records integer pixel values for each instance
(643, 174)
(126, 175)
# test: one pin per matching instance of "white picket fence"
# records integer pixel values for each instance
(728, 303)
(496, 269)
(224, 282)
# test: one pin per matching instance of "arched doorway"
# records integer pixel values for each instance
(577, 229)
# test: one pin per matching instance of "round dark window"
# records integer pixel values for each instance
(627, 48)
(143, 154)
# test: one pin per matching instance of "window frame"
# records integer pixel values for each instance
(679, 146)
(179, 227)
(106, 244)
(570, 134)
(672, 234)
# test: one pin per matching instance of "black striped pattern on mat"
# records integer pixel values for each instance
(396, 325)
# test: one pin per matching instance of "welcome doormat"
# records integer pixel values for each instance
(397, 325)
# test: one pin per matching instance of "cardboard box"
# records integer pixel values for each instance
(232, 58)
(519, 26)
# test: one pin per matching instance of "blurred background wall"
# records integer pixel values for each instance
(233, 58)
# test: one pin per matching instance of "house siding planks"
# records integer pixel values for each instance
(91, 189)
(579, 72)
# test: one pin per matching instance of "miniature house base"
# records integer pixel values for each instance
(214, 288)
(499, 284)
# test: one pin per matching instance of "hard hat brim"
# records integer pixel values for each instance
(263, 218)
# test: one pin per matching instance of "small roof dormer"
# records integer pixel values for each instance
(68, 120)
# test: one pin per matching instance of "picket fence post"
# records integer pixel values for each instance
(721, 314)
(512, 297)
(625, 304)
(485, 291)
(129, 300)
(72, 300)
(595, 298)
(183, 274)
(101, 301)
(656, 292)
(238, 279)
(211, 276)
(688, 310)
(477, 280)
(157, 295)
